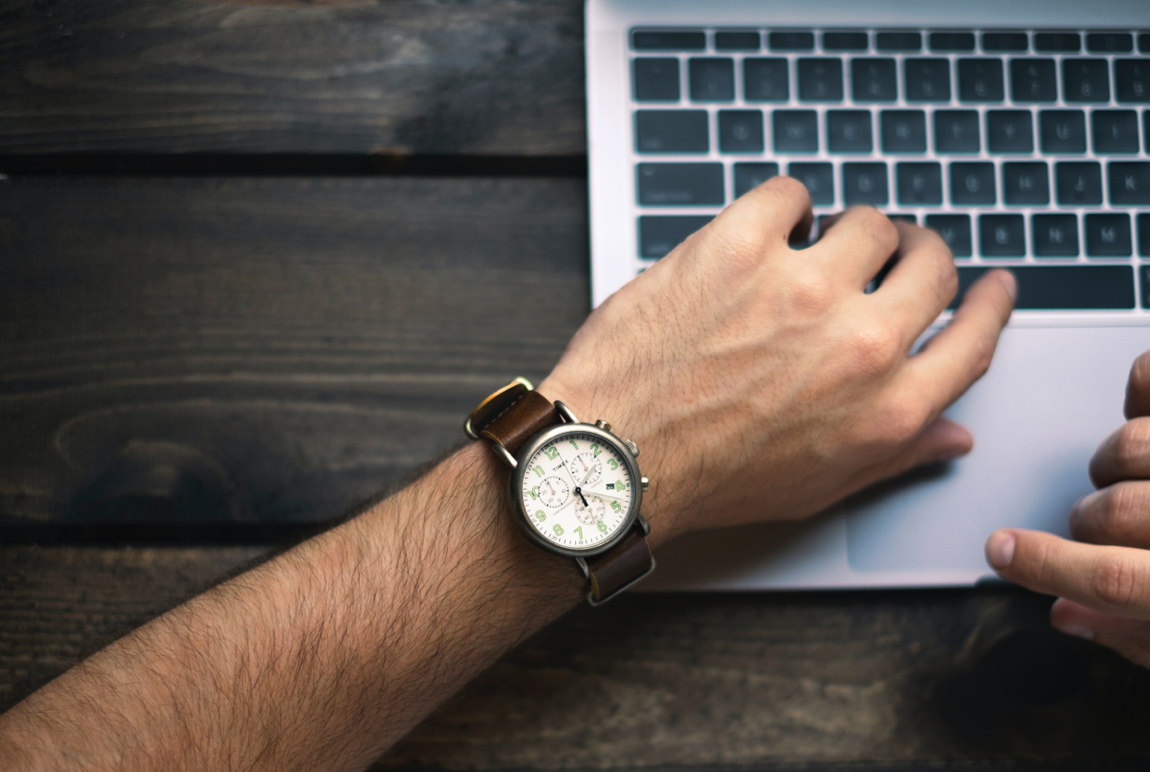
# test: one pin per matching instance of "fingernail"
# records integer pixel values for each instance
(1009, 283)
(1000, 549)
(1077, 630)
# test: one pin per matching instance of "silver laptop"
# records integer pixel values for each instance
(1019, 130)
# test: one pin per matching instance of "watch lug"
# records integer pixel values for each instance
(504, 455)
(565, 413)
(642, 521)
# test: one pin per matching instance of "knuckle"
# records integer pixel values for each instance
(982, 354)
(1117, 582)
(1130, 442)
(811, 294)
(1117, 509)
(874, 348)
(878, 226)
(900, 421)
(787, 187)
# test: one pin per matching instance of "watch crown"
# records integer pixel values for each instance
(603, 425)
(646, 483)
(631, 446)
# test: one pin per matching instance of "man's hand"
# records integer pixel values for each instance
(1103, 579)
(763, 382)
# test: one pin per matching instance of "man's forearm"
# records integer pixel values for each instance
(319, 659)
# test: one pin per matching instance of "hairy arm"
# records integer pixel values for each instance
(762, 383)
(319, 659)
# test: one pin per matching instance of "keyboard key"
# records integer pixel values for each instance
(955, 231)
(751, 175)
(656, 80)
(865, 183)
(896, 217)
(1078, 182)
(671, 131)
(927, 79)
(1085, 80)
(1115, 131)
(740, 131)
(820, 79)
(1055, 235)
(795, 131)
(1064, 287)
(711, 78)
(792, 41)
(1108, 235)
(919, 184)
(1109, 42)
(737, 41)
(659, 234)
(845, 41)
(1001, 235)
(819, 179)
(972, 183)
(1009, 131)
(1004, 41)
(956, 131)
(952, 41)
(903, 131)
(980, 80)
(1129, 182)
(1144, 43)
(686, 184)
(1033, 80)
(765, 80)
(849, 131)
(1062, 131)
(1060, 42)
(1144, 239)
(676, 40)
(873, 79)
(1026, 183)
(899, 41)
(1132, 80)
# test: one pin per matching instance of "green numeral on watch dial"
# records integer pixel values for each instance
(552, 453)
(602, 526)
(534, 492)
(574, 444)
(613, 464)
(541, 515)
(579, 531)
(595, 450)
(619, 486)
(538, 471)
(558, 529)
(615, 506)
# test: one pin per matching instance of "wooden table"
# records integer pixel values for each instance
(252, 258)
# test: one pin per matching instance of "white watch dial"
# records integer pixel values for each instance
(577, 490)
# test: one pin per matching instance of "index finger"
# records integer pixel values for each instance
(1138, 387)
(1113, 579)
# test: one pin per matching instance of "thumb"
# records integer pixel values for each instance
(1128, 637)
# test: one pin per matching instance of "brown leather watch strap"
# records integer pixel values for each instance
(628, 561)
(529, 415)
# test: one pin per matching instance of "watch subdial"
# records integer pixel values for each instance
(592, 513)
(587, 468)
(553, 492)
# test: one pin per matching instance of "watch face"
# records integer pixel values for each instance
(577, 490)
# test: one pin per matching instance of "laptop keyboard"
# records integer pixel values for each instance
(1025, 149)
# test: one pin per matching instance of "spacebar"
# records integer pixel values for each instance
(1070, 287)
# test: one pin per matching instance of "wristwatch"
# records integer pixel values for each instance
(575, 488)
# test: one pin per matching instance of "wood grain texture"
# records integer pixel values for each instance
(498, 77)
(653, 680)
(264, 350)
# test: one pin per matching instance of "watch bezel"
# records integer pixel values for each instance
(520, 472)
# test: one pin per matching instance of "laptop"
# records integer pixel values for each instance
(1018, 130)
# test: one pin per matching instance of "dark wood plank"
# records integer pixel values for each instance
(495, 77)
(682, 680)
(264, 350)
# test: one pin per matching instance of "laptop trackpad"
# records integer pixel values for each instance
(1050, 397)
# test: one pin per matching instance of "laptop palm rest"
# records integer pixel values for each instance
(1052, 394)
